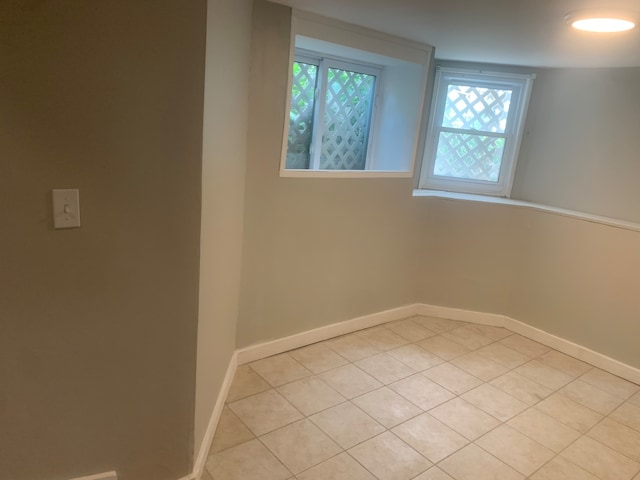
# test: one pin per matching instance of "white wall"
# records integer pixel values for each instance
(223, 170)
(395, 136)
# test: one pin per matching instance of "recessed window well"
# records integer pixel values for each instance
(355, 101)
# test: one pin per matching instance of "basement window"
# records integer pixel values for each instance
(355, 101)
(330, 118)
(475, 128)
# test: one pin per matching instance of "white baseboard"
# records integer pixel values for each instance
(100, 476)
(263, 350)
(201, 459)
(562, 345)
(469, 316)
(585, 354)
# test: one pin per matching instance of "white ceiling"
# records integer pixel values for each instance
(516, 32)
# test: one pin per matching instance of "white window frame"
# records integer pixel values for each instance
(399, 126)
(324, 63)
(520, 85)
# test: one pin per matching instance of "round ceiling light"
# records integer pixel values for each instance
(600, 22)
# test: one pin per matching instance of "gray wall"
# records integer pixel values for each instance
(581, 145)
(579, 280)
(318, 251)
(98, 324)
(223, 170)
(474, 254)
(572, 278)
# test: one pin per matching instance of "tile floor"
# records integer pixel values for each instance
(427, 399)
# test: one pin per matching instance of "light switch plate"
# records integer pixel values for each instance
(66, 208)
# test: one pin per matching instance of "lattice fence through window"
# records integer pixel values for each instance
(463, 153)
(477, 108)
(301, 114)
(349, 100)
(474, 157)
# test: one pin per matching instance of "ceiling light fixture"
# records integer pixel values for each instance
(600, 21)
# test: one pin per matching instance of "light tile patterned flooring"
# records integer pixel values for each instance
(427, 399)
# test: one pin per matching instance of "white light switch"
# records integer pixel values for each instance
(66, 208)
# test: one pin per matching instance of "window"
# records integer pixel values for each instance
(355, 101)
(474, 131)
(331, 112)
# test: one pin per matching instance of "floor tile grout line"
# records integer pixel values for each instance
(459, 396)
(571, 461)
(557, 391)
(445, 361)
(491, 454)
(321, 380)
(422, 411)
(350, 400)
(383, 384)
(614, 376)
(622, 423)
(556, 454)
(473, 442)
(287, 424)
(604, 444)
(279, 355)
(276, 457)
(403, 442)
(322, 342)
(488, 382)
(531, 359)
(307, 417)
(361, 442)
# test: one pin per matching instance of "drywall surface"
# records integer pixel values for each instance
(395, 142)
(98, 324)
(579, 280)
(581, 143)
(223, 170)
(474, 250)
(316, 251)
(569, 277)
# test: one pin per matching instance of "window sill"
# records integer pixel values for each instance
(588, 217)
(344, 174)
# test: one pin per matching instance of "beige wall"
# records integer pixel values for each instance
(572, 278)
(581, 145)
(223, 170)
(473, 256)
(315, 251)
(318, 251)
(98, 324)
(580, 280)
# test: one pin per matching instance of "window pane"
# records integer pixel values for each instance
(473, 157)
(346, 120)
(303, 87)
(476, 108)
